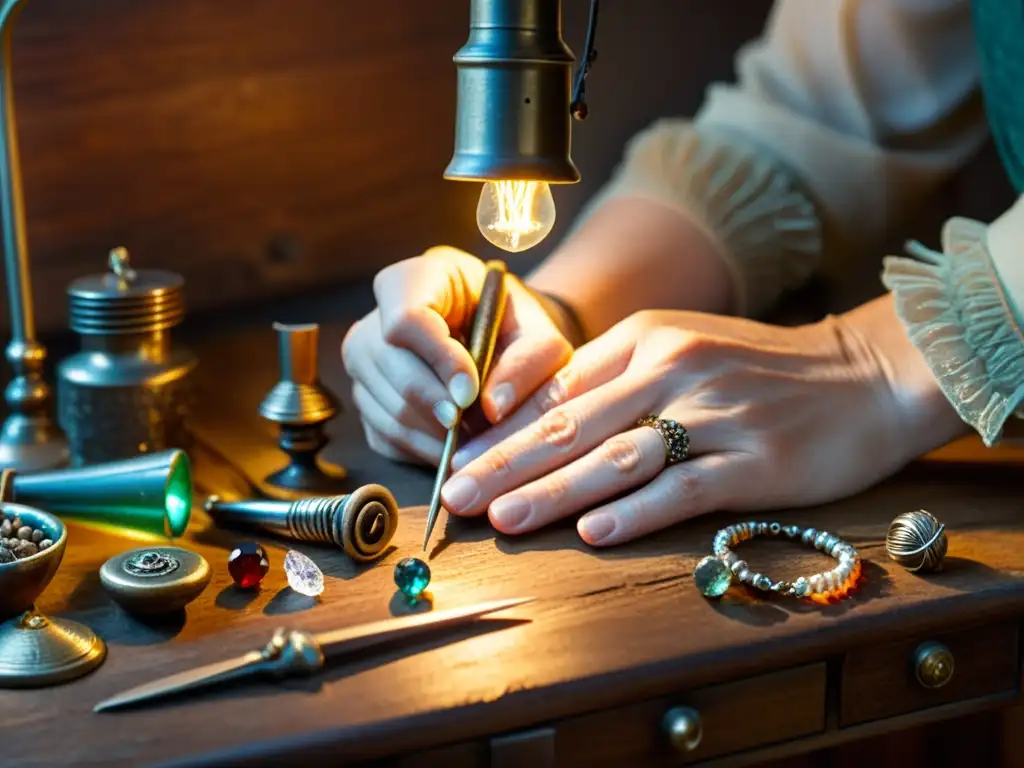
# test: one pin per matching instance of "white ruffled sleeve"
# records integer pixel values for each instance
(843, 118)
(765, 227)
(964, 317)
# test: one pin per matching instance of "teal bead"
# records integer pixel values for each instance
(412, 577)
(712, 577)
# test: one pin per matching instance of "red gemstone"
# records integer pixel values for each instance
(248, 564)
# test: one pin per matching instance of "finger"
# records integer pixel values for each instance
(591, 366)
(420, 301)
(416, 385)
(696, 487)
(402, 409)
(534, 349)
(380, 445)
(530, 358)
(621, 463)
(419, 398)
(423, 446)
(554, 440)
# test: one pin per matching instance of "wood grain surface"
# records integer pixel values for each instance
(609, 627)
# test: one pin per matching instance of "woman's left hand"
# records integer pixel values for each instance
(776, 417)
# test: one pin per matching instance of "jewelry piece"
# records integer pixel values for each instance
(150, 564)
(917, 541)
(674, 434)
(716, 573)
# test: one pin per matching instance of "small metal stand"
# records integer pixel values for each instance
(301, 407)
(30, 438)
(39, 651)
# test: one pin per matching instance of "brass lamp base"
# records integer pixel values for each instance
(37, 651)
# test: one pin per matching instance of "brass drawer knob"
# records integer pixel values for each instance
(683, 728)
(933, 664)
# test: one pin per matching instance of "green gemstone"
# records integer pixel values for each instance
(412, 576)
(712, 577)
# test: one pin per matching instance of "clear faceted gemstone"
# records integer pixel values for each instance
(303, 575)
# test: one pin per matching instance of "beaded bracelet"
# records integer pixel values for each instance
(716, 573)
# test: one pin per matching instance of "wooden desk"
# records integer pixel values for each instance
(615, 639)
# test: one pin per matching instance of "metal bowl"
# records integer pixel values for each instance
(23, 581)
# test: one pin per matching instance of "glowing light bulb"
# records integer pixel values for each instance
(515, 215)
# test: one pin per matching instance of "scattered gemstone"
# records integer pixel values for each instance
(712, 577)
(248, 564)
(412, 576)
(303, 575)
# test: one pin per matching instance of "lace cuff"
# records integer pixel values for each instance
(958, 315)
(766, 228)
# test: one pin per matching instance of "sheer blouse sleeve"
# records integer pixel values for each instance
(843, 116)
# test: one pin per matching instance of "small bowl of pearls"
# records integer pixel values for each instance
(32, 544)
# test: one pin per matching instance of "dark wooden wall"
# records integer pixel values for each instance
(270, 147)
(266, 147)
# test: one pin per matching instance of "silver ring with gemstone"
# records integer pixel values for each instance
(673, 434)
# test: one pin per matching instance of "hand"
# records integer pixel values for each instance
(410, 373)
(776, 417)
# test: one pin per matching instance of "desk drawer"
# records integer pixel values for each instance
(883, 681)
(731, 717)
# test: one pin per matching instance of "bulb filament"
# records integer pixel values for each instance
(514, 217)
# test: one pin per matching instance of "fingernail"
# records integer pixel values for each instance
(459, 493)
(502, 398)
(463, 389)
(509, 513)
(446, 413)
(595, 528)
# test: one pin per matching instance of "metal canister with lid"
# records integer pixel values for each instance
(128, 390)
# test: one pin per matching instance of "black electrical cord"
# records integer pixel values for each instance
(579, 96)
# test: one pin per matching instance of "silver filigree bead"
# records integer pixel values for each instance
(781, 586)
(808, 536)
(738, 565)
(730, 558)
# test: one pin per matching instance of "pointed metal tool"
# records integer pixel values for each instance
(291, 653)
(483, 338)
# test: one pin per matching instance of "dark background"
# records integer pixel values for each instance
(267, 148)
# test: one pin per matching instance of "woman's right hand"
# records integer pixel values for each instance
(410, 374)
